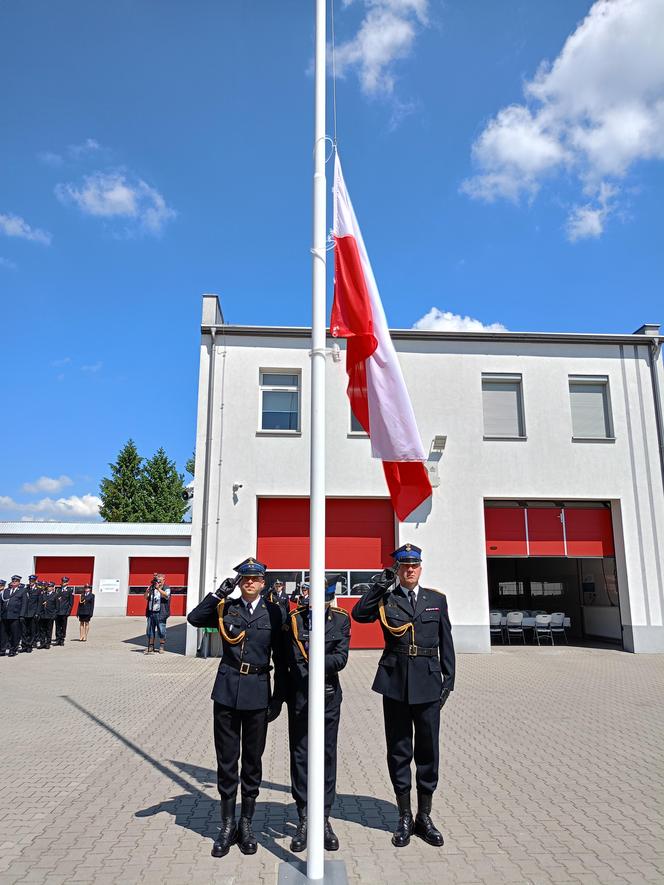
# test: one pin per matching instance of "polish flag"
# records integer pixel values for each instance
(376, 389)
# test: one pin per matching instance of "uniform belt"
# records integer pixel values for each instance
(245, 668)
(415, 651)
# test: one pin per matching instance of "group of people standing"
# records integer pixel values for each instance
(29, 614)
(259, 633)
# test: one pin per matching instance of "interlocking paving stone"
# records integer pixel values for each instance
(551, 771)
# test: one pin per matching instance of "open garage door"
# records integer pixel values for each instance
(141, 570)
(359, 539)
(79, 570)
(544, 557)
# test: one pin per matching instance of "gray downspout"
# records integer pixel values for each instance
(653, 355)
(206, 471)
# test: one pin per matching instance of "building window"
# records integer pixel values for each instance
(355, 426)
(589, 402)
(280, 401)
(502, 402)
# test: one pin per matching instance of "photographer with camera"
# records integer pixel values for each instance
(157, 611)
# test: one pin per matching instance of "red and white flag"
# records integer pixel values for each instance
(376, 389)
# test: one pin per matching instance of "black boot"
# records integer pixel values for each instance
(245, 834)
(228, 832)
(424, 826)
(330, 837)
(299, 840)
(404, 829)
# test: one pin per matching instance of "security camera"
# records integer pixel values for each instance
(237, 486)
(187, 494)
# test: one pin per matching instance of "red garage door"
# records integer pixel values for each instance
(359, 535)
(549, 531)
(79, 570)
(141, 570)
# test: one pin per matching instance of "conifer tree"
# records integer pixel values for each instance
(122, 493)
(162, 488)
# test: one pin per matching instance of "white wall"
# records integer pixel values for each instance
(444, 380)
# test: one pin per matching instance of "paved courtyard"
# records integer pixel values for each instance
(552, 770)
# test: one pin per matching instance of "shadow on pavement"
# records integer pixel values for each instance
(176, 638)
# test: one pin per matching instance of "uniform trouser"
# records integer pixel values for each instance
(233, 728)
(61, 627)
(10, 635)
(28, 632)
(401, 720)
(46, 631)
(298, 731)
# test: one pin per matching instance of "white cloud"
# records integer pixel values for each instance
(445, 321)
(15, 226)
(115, 195)
(588, 221)
(595, 112)
(47, 484)
(72, 152)
(6, 262)
(73, 507)
(64, 361)
(386, 34)
(94, 367)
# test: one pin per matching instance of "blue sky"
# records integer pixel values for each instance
(504, 159)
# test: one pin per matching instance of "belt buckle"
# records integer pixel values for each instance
(244, 669)
(412, 651)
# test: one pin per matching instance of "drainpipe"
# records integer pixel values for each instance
(654, 351)
(206, 468)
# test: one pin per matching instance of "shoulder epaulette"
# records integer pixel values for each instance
(433, 590)
(335, 608)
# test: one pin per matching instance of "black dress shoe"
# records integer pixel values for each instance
(12, 654)
(246, 839)
(330, 837)
(424, 826)
(299, 840)
(404, 830)
(228, 832)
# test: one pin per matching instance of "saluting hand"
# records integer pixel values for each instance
(225, 588)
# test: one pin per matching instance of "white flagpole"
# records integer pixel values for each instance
(316, 758)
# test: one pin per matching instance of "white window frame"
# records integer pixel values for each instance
(279, 388)
(502, 378)
(362, 434)
(600, 381)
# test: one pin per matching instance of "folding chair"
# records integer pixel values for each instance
(514, 626)
(495, 626)
(543, 628)
(558, 625)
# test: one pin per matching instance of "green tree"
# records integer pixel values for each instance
(122, 493)
(162, 488)
(190, 466)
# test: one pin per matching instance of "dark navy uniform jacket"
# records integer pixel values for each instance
(337, 642)
(416, 679)
(12, 603)
(65, 600)
(49, 604)
(86, 605)
(264, 636)
(32, 597)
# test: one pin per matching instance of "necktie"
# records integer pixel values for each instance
(249, 608)
(413, 601)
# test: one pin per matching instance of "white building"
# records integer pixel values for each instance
(550, 493)
(118, 559)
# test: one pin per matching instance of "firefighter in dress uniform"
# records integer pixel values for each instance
(251, 630)
(31, 607)
(65, 602)
(415, 676)
(48, 609)
(337, 642)
(12, 605)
